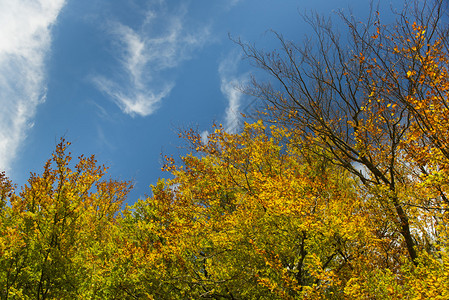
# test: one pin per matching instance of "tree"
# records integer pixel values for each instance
(250, 216)
(377, 104)
(54, 230)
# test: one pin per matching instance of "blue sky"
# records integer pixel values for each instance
(119, 78)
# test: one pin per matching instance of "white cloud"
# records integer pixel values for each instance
(234, 2)
(144, 55)
(229, 84)
(25, 40)
(204, 136)
(229, 4)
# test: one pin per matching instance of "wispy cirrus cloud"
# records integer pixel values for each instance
(232, 3)
(25, 40)
(145, 55)
(230, 81)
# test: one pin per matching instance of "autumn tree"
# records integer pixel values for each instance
(377, 104)
(248, 216)
(55, 231)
